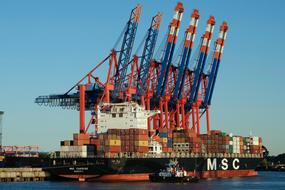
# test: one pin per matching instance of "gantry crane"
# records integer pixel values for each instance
(126, 50)
(147, 54)
(178, 92)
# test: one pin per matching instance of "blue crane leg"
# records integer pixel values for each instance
(180, 74)
(163, 68)
(195, 86)
(210, 82)
(214, 82)
(167, 70)
(145, 60)
(184, 74)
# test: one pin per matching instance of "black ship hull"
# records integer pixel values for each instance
(138, 169)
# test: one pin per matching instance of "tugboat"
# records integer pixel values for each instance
(173, 174)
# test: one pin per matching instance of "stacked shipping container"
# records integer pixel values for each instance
(220, 142)
(215, 142)
(81, 139)
(166, 139)
(139, 141)
(122, 141)
(82, 151)
(186, 141)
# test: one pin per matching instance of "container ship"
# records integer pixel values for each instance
(148, 112)
(132, 152)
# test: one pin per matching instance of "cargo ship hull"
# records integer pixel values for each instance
(138, 169)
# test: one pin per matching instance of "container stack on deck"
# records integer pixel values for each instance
(82, 151)
(255, 145)
(140, 139)
(166, 139)
(216, 141)
(186, 141)
(116, 142)
(81, 139)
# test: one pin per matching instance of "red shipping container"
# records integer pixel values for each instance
(132, 149)
(95, 141)
(164, 149)
(131, 131)
(113, 149)
(141, 137)
(157, 138)
(80, 136)
(142, 132)
(131, 137)
(163, 130)
(110, 131)
(81, 142)
(125, 149)
(190, 133)
(127, 142)
(131, 143)
(164, 145)
(125, 131)
(142, 149)
(215, 132)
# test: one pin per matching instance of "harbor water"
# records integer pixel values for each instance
(265, 181)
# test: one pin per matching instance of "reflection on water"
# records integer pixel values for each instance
(265, 181)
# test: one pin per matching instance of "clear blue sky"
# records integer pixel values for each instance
(46, 46)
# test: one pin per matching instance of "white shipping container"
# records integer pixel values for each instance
(77, 151)
(255, 138)
(78, 148)
(63, 148)
(254, 143)
(83, 154)
(75, 154)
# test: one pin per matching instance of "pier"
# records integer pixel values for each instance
(22, 174)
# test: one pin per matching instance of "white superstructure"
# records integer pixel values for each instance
(122, 116)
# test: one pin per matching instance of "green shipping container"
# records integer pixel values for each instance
(223, 134)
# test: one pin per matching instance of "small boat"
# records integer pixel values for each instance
(173, 174)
